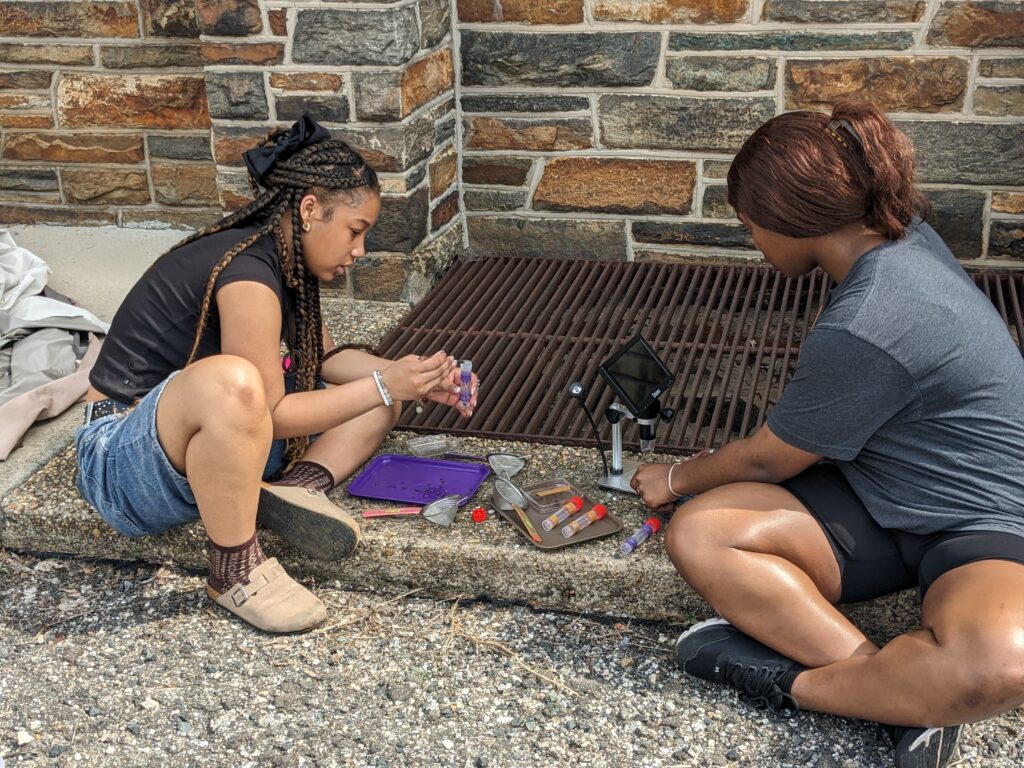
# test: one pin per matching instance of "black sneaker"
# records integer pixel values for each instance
(923, 747)
(715, 650)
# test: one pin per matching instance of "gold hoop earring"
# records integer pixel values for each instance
(305, 226)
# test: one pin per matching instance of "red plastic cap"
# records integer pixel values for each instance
(478, 515)
(655, 524)
(600, 511)
(577, 502)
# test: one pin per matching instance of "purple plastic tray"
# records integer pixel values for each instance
(417, 481)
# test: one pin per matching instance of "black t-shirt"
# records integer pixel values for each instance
(153, 330)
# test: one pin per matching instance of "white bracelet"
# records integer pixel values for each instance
(378, 379)
(673, 493)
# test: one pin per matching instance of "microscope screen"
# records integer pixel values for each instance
(637, 374)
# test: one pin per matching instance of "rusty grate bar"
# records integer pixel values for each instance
(731, 334)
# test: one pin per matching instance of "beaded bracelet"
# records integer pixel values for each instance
(378, 379)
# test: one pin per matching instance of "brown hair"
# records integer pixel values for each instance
(334, 172)
(804, 174)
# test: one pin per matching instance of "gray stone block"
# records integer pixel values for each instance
(957, 215)
(180, 147)
(150, 56)
(435, 22)
(402, 224)
(515, 102)
(967, 153)
(392, 148)
(790, 41)
(564, 60)
(493, 199)
(680, 122)
(26, 180)
(356, 37)
(327, 109)
(237, 96)
(717, 235)
(378, 95)
(720, 73)
(546, 238)
(444, 129)
(839, 11)
(716, 203)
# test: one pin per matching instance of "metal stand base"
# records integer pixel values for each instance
(620, 483)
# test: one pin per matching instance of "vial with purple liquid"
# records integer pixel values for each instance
(642, 534)
(465, 383)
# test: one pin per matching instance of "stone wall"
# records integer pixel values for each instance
(103, 114)
(604, 128)
(136, 112)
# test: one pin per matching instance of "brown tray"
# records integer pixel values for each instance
(553, 539)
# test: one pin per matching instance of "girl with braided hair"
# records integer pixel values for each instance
(219, 395)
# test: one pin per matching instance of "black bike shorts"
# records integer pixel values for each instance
(875, 561)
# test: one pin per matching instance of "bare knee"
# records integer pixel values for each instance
(987, 674)
(692, 539)
(228, 391)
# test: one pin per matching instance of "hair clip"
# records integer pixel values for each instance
(835, 126)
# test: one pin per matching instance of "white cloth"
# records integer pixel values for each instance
(41, 341)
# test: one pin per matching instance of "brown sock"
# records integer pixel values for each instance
(308, 474)
(232, 565)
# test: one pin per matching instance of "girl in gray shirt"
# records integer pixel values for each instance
(895, 458)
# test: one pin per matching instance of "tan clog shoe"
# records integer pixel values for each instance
(307, 519)
(272, 600)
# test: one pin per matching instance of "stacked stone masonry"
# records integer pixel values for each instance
(597, 129)
(603, 129)
(136, 113)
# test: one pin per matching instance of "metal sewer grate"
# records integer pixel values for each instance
(731, 334)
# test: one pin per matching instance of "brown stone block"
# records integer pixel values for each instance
(32, 79)
(137, 101)
(1008, 202)
(442, 171)
(230, 18)
(508, 171)
(898, 83)
(671, 11)
(1001, 67)
(24, 101)
(229, 143)
(52, 198)
(69, 19)
(616, 186)
(19, 53)
(170, 18)
(234, 190)
(92, 186)
(980, 24)
(16, 214)
(427, 78)
(380, 278)
(243, 53)
(150, 56)
(1006, 240)
(278, 18)
(524, 11)
(189, 185)
(553, 135)
(21, 120)
(74, 148)
(306, 81)
(444, 211)
(999, 100)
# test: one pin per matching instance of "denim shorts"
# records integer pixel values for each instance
(124, 473)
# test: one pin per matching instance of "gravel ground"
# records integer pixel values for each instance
(122, 664)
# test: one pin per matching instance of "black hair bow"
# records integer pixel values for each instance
(283, 144)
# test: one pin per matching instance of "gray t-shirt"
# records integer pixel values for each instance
(911, 384)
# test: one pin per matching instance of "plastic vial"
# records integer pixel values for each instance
(567, 510)
(595, 513)
(465, 382)
(642, 534)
